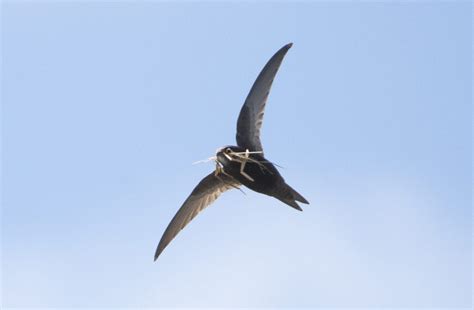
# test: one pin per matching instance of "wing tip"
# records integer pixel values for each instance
(157, 254)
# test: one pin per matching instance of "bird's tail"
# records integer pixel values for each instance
(289, 196)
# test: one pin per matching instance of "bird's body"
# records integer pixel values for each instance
(259, 174)
(244, 164)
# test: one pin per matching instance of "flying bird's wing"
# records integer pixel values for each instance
(251, 114)
(203, 195)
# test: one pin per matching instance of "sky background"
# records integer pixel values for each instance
(106, 105)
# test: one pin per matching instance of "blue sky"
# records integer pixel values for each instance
(105, 105)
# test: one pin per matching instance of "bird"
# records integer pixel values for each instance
(244, 164)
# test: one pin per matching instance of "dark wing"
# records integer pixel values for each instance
(251, 114)
(203, 195)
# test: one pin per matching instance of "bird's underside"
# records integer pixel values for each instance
(243, 164)
(257, 173)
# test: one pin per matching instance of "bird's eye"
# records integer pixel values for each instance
(228, 150)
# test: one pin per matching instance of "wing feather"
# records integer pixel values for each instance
(251, 115)
(205, 193)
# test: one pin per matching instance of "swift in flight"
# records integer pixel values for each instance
(243, 164)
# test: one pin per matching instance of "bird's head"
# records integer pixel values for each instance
(226, 154)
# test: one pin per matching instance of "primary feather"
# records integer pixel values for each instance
(251, 115)
(205, 193)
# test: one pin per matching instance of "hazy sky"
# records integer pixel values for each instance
(105, 105)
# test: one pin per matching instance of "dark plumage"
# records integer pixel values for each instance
(244, 164)
(260, 175)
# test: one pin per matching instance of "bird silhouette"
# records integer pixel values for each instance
(243, 164)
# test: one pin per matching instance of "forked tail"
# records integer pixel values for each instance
(289, 196)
